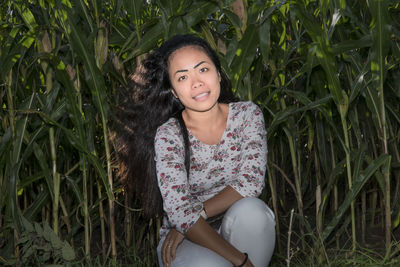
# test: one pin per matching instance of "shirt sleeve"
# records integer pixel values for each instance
(181, 208)
(250, 179)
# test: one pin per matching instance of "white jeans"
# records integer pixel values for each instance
(249, 225)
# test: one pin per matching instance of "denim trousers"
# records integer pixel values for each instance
(249, 225)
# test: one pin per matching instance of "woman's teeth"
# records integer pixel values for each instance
(201, 95)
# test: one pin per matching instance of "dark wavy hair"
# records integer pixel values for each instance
(146, 105)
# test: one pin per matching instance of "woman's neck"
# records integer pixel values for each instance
(214, 117)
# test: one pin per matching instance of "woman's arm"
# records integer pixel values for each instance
(249, 179)
(221, 201)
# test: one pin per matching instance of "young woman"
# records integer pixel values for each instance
(198, 157)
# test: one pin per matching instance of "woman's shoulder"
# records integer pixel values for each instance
(243, 105)
(244, 108)
(169, 128)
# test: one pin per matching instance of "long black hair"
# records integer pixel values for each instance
(147, 104)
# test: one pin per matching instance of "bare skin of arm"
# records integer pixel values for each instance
(221, 201)
(203, 234)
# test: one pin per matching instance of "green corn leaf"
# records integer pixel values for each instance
(198, 11)
(233, 18)
(244, 55)
(78, 144)
(71, 103)
(26, 14)
(381, 43)
(21, 126)
(358, 160)
(381, 39)
(349, 45)
(264, 39)
(323, 149)
(51, 98)
(332, 180)
(83, 10)
(148, 41)
(323, 52)
(177, 25)
(93, 76)
(393, 112)
(134, 9)
(281, 116)
(40, 201)
(43, 163)
(75, 189)
(30, 179)
(358, 184)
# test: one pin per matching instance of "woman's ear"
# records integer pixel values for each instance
(174, 93)
(219, 76)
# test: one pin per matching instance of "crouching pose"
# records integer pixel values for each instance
(197, 156)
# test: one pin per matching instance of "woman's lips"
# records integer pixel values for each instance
(202, 96)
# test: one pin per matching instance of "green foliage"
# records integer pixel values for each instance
(40, 246)
(324, 72)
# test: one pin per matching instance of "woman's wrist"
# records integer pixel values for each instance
(239, 259)
(246, 258)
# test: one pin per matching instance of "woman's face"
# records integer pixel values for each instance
(194, 78)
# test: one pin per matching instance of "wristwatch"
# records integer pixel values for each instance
(203, 214)
(202, 211)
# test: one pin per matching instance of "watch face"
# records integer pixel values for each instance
(198, 207)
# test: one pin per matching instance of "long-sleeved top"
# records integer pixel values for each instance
(237, 160)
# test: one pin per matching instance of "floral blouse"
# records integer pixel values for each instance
(238, 160)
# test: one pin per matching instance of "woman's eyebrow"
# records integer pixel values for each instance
(195, 66)
(199, 64)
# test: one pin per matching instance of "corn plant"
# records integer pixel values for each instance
(324, 72)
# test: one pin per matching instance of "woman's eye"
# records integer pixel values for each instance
(204, 69)
(181, 78)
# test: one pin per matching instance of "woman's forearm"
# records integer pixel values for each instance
(203, 234)
(221, 201)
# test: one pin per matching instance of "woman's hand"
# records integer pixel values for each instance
(171, 242)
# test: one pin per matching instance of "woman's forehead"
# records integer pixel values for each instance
(186, 54)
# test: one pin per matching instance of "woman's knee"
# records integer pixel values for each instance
(251, 212)
(249, 225)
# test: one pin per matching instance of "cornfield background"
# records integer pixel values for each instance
(325, 72)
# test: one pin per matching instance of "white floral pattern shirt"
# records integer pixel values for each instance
(238, 160)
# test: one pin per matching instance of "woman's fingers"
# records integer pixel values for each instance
(174, 246)
(170, 245)
(167, 253)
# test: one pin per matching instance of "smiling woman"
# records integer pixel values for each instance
(194, 79)
(199, 160)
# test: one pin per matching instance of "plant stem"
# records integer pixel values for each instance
(335, 189)
(56, 180)
(85, 205)
(386, 170)
(272, 186)
(102, 223)
(10, 103)
(289, 256)
(111, 203)
(350, 182)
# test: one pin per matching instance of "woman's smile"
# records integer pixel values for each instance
(202, 96)
(194, 78)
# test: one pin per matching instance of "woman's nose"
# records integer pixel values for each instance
(196, 82)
